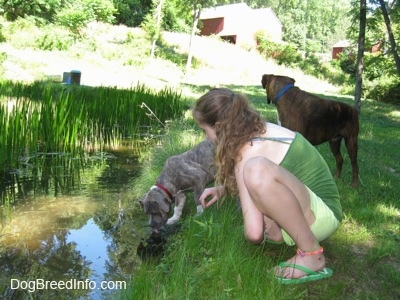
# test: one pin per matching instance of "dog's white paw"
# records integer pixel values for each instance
(200, 210)
(173, 220)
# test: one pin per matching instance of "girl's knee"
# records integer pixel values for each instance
(258, 171)
(254, 236)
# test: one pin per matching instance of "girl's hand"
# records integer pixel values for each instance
(212, 192)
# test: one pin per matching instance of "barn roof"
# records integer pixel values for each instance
(340, 44)
(241, 11)
(222, 11)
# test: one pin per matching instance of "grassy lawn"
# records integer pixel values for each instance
(209, 258)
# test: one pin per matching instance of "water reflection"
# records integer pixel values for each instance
(87, 240)
(86, 232)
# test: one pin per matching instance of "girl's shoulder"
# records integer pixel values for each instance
(274, 131)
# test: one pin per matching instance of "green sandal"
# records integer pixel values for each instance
(266, 241)
(311, 275)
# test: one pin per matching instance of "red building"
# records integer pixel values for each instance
(339, 47)
(238, 23)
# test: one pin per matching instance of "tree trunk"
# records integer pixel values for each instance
(158, 28)
(360, 55)
(393, 44)
(196, 18)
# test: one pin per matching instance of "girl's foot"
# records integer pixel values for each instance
(313, 260)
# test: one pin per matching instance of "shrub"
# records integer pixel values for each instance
(74, 19)
(3, 58)
(2, 37)
(101, 10)
(53, 38)
(21, 25)
(266, 47)
(131, 12)
(289, 56)
(21, 33)
(385, 89)
(347, 62)
(81, 12)
(392, 94)
(284, 54)
(377, 66)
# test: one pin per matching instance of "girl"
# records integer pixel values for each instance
(286, 189)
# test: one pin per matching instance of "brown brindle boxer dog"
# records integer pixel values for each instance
(318, 120)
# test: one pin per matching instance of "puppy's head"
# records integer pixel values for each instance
(156, 205)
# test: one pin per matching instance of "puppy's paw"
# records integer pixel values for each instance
(173, 220)
(200, 210)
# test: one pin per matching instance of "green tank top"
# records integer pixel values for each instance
(306, 163)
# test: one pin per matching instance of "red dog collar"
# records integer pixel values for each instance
(165, 190)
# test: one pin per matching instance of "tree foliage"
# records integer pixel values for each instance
(76, 15)
(312, 24)
(50, 10)
(381, 75)
(44, 9)
(131, 12)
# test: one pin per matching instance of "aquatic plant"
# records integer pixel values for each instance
(39, 121)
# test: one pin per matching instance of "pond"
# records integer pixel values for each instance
(74, 233)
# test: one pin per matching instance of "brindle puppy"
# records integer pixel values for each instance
(317, 119)
(189, 171)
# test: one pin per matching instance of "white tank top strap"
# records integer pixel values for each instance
(285, 140)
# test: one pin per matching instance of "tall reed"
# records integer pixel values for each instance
(40, 120)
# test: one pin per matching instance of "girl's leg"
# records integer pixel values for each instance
(279, 195)
(272, 231)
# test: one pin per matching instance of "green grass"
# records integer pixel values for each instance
(209, 257)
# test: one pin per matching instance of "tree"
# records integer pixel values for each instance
(360, 55)
(152, 24)
(198, 5)
(158, 16)
(391, 36)
(45, 9)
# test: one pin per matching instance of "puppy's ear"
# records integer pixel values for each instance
(292, 80)
(143, 205)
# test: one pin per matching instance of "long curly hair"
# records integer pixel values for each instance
(235, 122)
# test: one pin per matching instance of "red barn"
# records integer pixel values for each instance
(238, 23)
(339, 47)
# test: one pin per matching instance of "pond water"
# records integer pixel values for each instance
(74, 238)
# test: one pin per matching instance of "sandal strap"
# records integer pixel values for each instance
(294, 266)
(303, 253)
